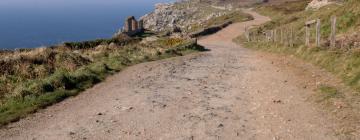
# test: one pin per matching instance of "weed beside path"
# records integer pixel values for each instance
(38, 78)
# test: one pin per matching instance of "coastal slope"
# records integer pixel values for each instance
(229, 92)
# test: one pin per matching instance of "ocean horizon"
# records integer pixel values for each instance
(36, 23)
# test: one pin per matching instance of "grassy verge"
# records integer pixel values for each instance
(340, 103)
(343, 64)
(342, 60)
(38, 78)
(217, 23)
(327, 93)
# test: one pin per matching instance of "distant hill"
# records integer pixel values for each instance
(245, 2)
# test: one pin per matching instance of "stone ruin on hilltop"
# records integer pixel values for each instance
(132, 27)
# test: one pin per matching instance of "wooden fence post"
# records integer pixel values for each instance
(247, 34)
(266, 36)
(307, 35)
(285, 36)
(342, 44)
(282, 36)
(269, 36)
(333, 32)
(275, 35)
(272, 35)
(250, 37)
(318, 33)
(291, 37)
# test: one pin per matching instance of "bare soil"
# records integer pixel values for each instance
(227, 93)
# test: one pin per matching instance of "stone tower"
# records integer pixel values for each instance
(129, 24)
(141, 25)
(134, 25)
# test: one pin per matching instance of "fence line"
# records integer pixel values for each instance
(287, 36)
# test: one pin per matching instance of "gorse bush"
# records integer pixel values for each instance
(171, 41)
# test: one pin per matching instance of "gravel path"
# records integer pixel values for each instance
(227, 93)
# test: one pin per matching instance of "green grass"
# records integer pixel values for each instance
(343, 62)
(327, 93)
(30, 94)
(16, 108)
(293, 14)
(279, 11)
(233, 17)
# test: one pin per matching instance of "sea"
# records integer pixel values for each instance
(37, 23)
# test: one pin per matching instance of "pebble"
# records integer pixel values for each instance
(127, 108)
(276, 138)
(71, 133)
(277, 101)
(221, 125)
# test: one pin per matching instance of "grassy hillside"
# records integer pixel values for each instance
(217, 23)
(35, 78)
(243, 3)
(343, 60)
(207, 15)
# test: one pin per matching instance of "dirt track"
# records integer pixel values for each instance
(227, 93)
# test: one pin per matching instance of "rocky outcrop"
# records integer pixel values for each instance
(178, 15)
(164, 16)
(316, 4)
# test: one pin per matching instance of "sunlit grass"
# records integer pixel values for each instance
(37, 79)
